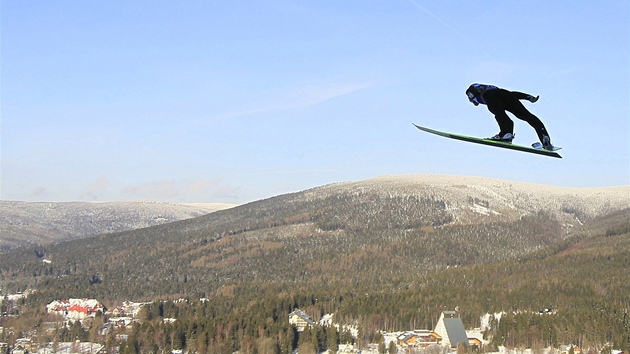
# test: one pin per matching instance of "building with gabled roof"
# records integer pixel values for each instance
(566, 349)
(451, 328)
(426, 338)
(417, 338)
(75, 309)
(300, 320)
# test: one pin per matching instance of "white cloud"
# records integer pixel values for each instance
(96, 189)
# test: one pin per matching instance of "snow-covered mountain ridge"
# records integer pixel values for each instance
(475, 199)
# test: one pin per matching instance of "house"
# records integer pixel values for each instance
(300, 320)
(75, 309)
(418, 338)
(472, 342)
(407, 339)
(22, 346)
(18, 349)
(347, 349)
(122, 321)
(426, 338)
(132, 308)
(566, 349)
(451, 328)
(76, 312)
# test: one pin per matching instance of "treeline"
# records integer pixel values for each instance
(587, 292)
(596, 327)
(208, 327)
(255, 319)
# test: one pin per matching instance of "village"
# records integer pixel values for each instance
(448, 336)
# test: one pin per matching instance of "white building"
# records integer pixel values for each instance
(75, 309)
(451, 328)
(300, 320)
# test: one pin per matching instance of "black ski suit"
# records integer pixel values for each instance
(500, 100)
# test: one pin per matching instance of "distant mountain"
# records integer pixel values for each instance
(24, 223)
(377, 232)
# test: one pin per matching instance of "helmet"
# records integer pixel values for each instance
(472, 91)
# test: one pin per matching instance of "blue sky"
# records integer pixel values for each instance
(235, 101)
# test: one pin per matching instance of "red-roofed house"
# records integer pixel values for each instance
(75, 309)
(76, 312)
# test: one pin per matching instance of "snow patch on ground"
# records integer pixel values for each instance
(480, 209)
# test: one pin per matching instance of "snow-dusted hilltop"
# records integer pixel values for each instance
(23, 223)
(478, 198)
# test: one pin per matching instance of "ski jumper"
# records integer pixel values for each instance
(499, 100)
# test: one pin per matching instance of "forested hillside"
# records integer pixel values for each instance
(349, 233)
(384, 254)
(584, 280)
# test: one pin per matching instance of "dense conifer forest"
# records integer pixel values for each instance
(379, 260)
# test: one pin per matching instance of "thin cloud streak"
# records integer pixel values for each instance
(299, 97)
